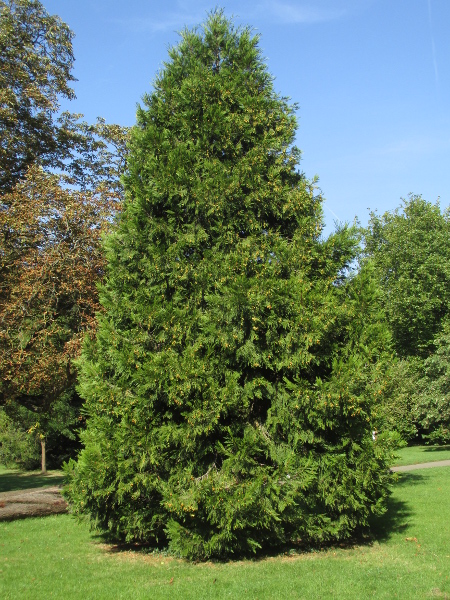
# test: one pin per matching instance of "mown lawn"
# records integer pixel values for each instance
(421, 454)
(409, 557)
(11, 480)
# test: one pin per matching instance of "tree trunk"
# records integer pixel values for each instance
(43, 461)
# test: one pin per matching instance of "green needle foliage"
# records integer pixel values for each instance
(227, 395)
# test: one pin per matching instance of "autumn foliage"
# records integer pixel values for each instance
(51, 263)
(59, 189)
(50, 266)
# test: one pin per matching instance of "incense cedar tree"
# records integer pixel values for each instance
(228, 408)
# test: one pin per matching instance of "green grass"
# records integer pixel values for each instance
(12, 480)
(55, 557)
(422, 454)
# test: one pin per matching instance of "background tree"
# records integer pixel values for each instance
(409, 251)
(50, 258)
(432, 394)
(51, 262)
(397, 407)
(228, 407)
(36, 60)
(17, 447)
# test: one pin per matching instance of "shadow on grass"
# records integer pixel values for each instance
(437, 449)
(12, 481)
(113, 546)
(395, 519)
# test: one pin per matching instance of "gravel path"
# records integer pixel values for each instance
(428, 465)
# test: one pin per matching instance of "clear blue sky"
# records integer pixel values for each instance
(371, 77)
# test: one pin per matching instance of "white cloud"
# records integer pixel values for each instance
(156, 25)
(183, 15)
(193, 12)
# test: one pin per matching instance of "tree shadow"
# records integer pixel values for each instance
(113, 545)
(437, 449)
(12, 481)
(396, 518)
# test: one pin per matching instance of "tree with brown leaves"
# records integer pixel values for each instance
(50, 264)
(50, 224)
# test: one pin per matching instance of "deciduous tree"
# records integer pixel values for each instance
(432, 394)
(410, 250)
(50, 258)
(50, 262)
(36, 60)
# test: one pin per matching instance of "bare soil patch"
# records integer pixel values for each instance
(35, 502)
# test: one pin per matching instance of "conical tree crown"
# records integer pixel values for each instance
(225, 331)
(211, 154)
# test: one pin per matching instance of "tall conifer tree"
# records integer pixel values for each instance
(228, 408)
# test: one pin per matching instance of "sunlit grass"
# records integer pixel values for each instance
(409, 557)
(422, 454)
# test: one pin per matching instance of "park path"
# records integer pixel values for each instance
(428, 465)
(35, 502)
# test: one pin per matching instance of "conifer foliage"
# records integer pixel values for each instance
(227, 407)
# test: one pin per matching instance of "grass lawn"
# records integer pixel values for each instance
(11, 480)
(422, 454)
(55, 557)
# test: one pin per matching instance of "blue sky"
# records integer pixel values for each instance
(371, 78)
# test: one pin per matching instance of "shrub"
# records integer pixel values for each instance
(18, 449)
